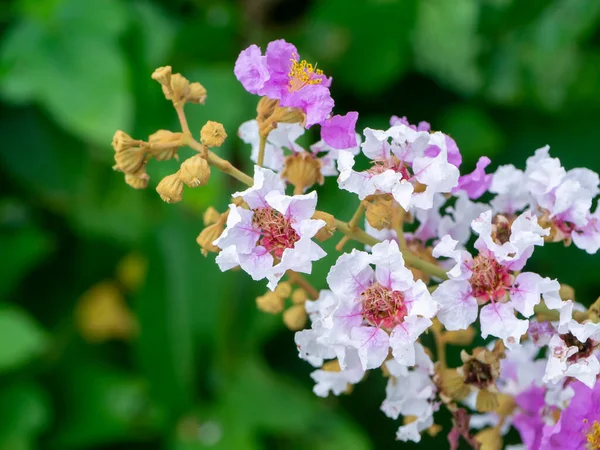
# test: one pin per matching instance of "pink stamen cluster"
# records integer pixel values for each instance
(490, 280)
(391, 163)
(383, 307)
(276, 229)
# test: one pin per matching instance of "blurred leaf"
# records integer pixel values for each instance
(24, 414)
(347, 40)
(446, 43)
(26, 247)
(157, 32)
(71, 64)
(22, 338)
(105, 405)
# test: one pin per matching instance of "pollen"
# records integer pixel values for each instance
(303, 73)
(276, 229)
(593, 436)
(490, 280)
(383, 307)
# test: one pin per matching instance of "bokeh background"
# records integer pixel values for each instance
(115, 332)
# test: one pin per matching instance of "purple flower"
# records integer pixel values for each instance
(422, 126)
(579, 424)
(338, 132)
(529, 422)
(477, 182)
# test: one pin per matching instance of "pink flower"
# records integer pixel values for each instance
(338, 132)
(274, 235)
(477, 182)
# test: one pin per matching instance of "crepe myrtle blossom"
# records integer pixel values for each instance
(490, 279)
(274, 234)
(279, 74)
(476, 183)
(402, 159)
(572, 352)
(411, 392)
(372, 311)
(512, 196)
(281, 142)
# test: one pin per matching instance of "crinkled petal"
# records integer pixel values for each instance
(351, 274)
(403, 338)
(498, 319)
(372, 344)
(339, 131)
(251, 69)
(458, 307)
(265, 181)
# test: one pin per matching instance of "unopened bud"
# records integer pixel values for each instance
(197, 93)
(566, 292)
(122, 141)
(131, 271)
(194, 171)
(490, 439)
(165, 144)
(329, 229)
(180, 88)
(379, 212)
(170, 188)
(130, 160)
(210, 216)
(207, 236)
(295, 317)
(460, 337)
(270, 303)
(283, 289)
(213, 134)
(138, 179)
(302, 170)
(299, 296)
(163, 75)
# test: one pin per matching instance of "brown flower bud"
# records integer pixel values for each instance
(302, 170)
(194, 171)
(170, 188)
(131, 159)
(329, 229)
(379, 211)
(163, 75)
(210, 216)
(566, 292)
(180, 88)
(138, 179)
(283, 289)
(295, 317)
(299, 296)
(270, 303)
(164, 144)
(490, 439)
(265, 108)
(213, 134)
(197, 93)
(122, 141)
(207, 236)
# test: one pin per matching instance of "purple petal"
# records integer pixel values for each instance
(314, 99)
(477, 182)
(251, 69)
(339, 131)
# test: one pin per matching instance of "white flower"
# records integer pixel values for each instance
(458, 218)
(508, 183)
(543, 173)
(331, 155)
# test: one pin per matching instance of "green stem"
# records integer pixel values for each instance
(261, 150)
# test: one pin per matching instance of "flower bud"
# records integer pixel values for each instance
(170, 188)
(210, 216)
(138, 179)
(329, 229)
(194, 171)
(490, 439)
(180, 88)
(566, 292)
(302, 170)
(299, 296)
(207, 236)
(593, 312)
(295, 317)
(270, 303)
(131, 159)
(163, 75)
(283, 289)
(165, 143)
(197, 93)
(213, 134)
(131, 271)
(379, 212)
(122, 141)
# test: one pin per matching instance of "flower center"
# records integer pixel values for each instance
(593, 436)
(276, 229)
(391, 163)
(502, 229)
(584, 349)
(478, 374)
(490, 279)
(383, 307)
(303, 73)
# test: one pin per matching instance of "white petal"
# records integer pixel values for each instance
(458, 307)
(351, 274)
(498, 319)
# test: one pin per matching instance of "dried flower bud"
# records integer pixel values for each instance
(566, 292)
(131, 159)
(283, 289)
(295, 317)
(265, 108)
(213, 134)
(194, 171)
(379, 211)
(270, 303)
(170, 188)
(299, 296)
(180, 88)
(302, 170)
(207, 236)
(131, 271)
(163, 75)
(165, 144)
(490, 439)
(122, 141)
(197, 93)
(210, 216)
(138, 179)
(329, 229)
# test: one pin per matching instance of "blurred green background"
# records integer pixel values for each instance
(115, 332)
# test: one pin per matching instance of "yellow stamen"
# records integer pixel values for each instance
(303, 73)
(593, 436)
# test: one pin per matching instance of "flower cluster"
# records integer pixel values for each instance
(440, 260)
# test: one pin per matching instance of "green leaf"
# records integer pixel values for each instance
(157, 32)
(24, 414)
(22, 337)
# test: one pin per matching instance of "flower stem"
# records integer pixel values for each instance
(261, 149)
(302, 282)
(440, 342)
(182, 119)
(399, 214)
(352, 226)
